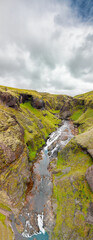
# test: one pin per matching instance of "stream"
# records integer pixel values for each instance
(36, 217)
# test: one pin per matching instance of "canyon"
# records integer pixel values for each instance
(27, 118)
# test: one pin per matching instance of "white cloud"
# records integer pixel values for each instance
(45, 46)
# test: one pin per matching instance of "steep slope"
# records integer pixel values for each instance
(72, 194)
(24, 126)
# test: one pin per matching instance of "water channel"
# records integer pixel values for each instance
(36, 215)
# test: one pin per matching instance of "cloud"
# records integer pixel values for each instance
(46, 46)
(81, 64)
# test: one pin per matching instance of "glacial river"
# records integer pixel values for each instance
(35, 216)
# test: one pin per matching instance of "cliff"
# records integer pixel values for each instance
(73, 189)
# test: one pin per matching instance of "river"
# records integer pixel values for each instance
(36, 216)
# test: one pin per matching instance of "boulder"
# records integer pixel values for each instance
(89, 218)
(89, 177)
(38, 103)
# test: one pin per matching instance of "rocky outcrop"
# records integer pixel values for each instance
(89, 177)
(72, 194)
(12, 100)
(25, 98)
(85, 140)
(38, 103)
(35, 101)
(8, 99)
(14, 168)
(69, 105)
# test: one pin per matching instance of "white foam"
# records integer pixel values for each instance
(28, 224)
(25, 233)
(54, 136)
(40, 223)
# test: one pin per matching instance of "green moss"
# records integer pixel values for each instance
(17, 91)
(77, 114)
(72, 193)
(87, 97)
(5, 230)
(86, 120)
(4, 207)
(43, 123)
(32, 154)
(2, 218)
(71, 190)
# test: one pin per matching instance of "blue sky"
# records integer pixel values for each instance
(47, 45)
(84, 8)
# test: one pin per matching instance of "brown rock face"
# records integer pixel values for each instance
(9, 100)
(25, 98)
(67, 108)
(11, 139)
(38, 103)
(90, 214)
(35, 101)
(14, 167)
(89, 177)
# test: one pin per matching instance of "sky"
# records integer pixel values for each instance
(47, 45)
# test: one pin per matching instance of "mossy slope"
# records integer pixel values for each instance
(72, 194)
(26, 120)
(74, 198)
(23, 131)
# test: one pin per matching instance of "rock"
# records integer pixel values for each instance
(68, 105)
(66, 130)
(89, 177)
(40, 125)
(14, 167)
(90, 152)
(11, 140)
(9, 99)
(25, 98)
(66, 114)
(36, 102)
(56, 171)
(89, 218)
(85, 140)
(64, 137)
(66, 170)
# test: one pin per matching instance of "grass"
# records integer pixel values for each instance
(2, 218)
(42, 124)
(5, 230)
(87, 97)
(71, 191)
(4, 207)
(77, 114)
(72, 194)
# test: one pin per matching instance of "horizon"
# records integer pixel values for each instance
(43, 92)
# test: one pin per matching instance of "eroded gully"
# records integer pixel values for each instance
(36, 218)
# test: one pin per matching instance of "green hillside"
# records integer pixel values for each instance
(71, 191)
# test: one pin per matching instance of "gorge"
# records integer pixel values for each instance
(27, 120)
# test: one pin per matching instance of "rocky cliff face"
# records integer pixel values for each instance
(14, 168)
(9, 100)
